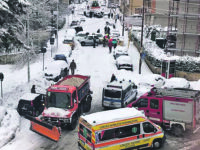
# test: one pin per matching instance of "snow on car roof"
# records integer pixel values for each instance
(118, 85)
(112, 115)
(29, 96)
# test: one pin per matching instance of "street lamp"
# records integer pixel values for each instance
(1, 79)
(141, 41)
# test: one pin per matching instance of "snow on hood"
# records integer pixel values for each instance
(176, 83)
(124, 59)
(56, 112)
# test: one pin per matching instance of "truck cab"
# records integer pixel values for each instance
(118, 94)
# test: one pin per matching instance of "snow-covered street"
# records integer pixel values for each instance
(97, 62)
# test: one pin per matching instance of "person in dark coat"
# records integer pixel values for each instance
(110, 46)
(94, 42)
(72, 67)
(113, 78)
(98, 31)
(104, 41)
(33, 89)
(111, 15)
(105, 29)
(108, 30)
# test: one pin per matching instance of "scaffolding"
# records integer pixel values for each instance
(182, 37)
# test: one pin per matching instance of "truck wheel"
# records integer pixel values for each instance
(177, 130)
(157, 144)
(74, 121)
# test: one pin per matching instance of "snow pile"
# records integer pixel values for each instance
(25, 2)
(4, 6)
(176, 83)
(51, 111)
(9, 120)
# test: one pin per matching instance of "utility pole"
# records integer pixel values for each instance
(141, 42)
(57, 24)
(123, 18)
(28, 65)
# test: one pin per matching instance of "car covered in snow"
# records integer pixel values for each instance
(81, 35)
(115, 33)
(176, 82)
(70, 41)
(89, 40)
(56, 69)
(31, 104)
(124, 62)
(120, 51)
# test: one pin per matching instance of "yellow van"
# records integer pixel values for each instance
(119, 129)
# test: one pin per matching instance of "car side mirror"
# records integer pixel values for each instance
(155, 130)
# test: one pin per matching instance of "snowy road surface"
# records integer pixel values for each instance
(96, 62)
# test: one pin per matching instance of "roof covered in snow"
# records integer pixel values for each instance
(112, 115)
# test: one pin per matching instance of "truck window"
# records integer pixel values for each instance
(143, 102)
(154, 103)
(148, 127)
(86, 133)
(112, 93)
(127, 131)
(59, 100)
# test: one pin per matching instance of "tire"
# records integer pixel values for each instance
(74, 122)
(157, 144)
(82, 43)
(177, 130)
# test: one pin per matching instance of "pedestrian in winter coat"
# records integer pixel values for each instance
(111, 15)
(105, 29)
(110, 45)
(94, 42)
(72, 67)
(104, 41)
(33, 89)
(114, 43)
(113, 78)
(98, 31)
(108, 30)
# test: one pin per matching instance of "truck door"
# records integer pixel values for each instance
(142, 104)
(155, 110)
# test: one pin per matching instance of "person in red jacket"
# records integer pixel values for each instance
(110, 45)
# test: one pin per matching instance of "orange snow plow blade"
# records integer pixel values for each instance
(45, 129)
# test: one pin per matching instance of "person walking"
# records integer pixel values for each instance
(33, 89)
(72, 67)
(110, 45)
(94, 42)
(113, 78)
(104, 41)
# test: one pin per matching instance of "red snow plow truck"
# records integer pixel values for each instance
(65, 101)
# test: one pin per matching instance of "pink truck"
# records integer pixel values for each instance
(176, 109)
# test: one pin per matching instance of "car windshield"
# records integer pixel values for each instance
(59, 100)
(112, 93)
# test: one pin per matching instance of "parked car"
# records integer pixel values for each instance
(60, 57)
(120, 51)
(74, 23)
(70, 41)
(124, 62)
(82, 19)
(31, 104)
(54, 70)
(89, 40)
(81, 35)
(115, 33)
(100, 36)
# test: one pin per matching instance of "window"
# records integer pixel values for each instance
(154, 103)
(143, 102)
(112, 93)
(59, 100)
(148, 127)
(86, 133)
(127, 131)
(74, 97)
(107, 134)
